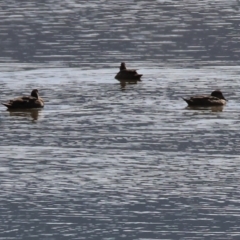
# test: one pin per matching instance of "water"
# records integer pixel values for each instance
(105, 161)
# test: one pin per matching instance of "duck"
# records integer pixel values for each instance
(127, 74)
(26, 102)
(215, 99)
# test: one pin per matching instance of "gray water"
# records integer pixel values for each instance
(105, 161)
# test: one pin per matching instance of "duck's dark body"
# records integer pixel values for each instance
(127, 74)
(215, 99)
(26, 102)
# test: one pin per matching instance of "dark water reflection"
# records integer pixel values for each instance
(124, 84)
(79, 33)
(30, 114)
(202, 109)
(105, 160)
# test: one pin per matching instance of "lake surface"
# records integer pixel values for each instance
(106, 161)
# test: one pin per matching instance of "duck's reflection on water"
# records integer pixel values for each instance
(33, 114)
(210, 108)
(123, 83)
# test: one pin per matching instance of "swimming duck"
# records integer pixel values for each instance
(127, 74)
(215, 99)
(33, 101)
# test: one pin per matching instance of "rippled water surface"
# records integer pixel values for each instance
(110, 161)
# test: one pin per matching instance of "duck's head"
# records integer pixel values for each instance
(123, 66)
(218, 94)
(34, 93)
